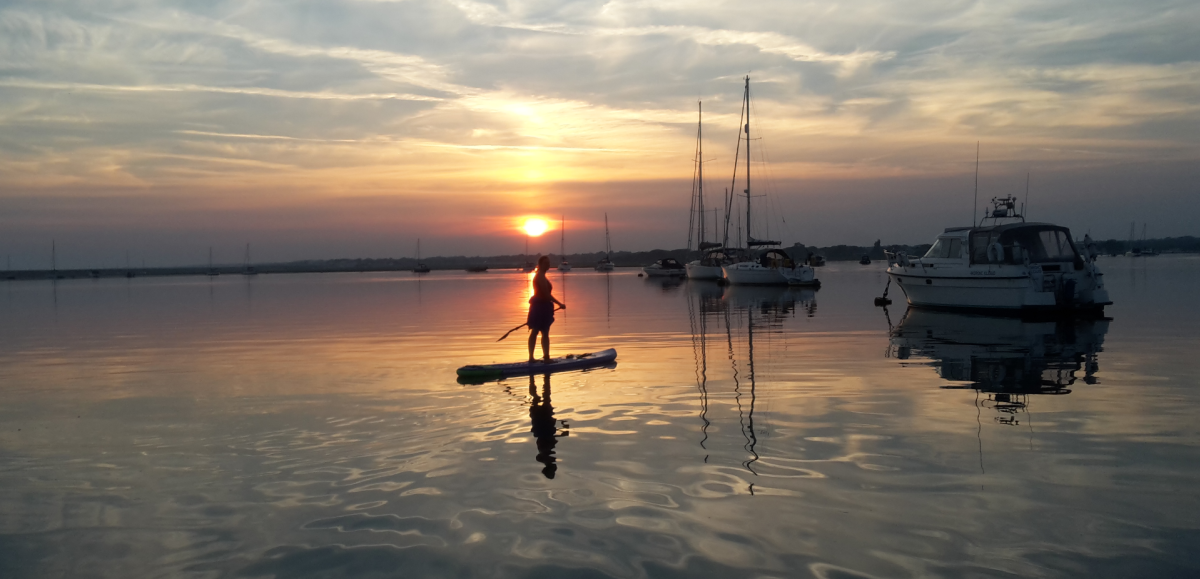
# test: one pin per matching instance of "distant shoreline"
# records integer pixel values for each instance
(580, 261)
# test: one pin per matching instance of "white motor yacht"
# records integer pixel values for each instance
(667, 267)
(1014, 267)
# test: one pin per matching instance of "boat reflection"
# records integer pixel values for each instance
(1006, 358)
(745, 314)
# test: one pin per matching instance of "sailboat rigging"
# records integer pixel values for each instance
(712, 255)
(421, 267)
(606, 263)
(564, 265)
(773, 266)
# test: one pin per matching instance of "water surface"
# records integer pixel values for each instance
(312, 426)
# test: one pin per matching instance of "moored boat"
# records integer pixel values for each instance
(1015, 267)
(772, 265)
(606, 262)
(666, 267)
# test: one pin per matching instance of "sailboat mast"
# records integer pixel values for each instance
(747, 99)
(562, 241)
(700, 169)
(607, 241)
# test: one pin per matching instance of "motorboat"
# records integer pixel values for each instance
(666, 267)
(1014, 267)
(771, 265)
(865, 260)
(606, 262)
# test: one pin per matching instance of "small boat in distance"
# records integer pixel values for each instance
(477, 268)
(249, 269)
(606, 263)
(212, 271)
(564, 265)
(1014, 267)
(865, 260)
(666, 267)
(421, 267)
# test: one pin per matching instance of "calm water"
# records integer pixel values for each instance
(312, 426)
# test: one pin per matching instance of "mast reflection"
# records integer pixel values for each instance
(1008, 359)
(759, 311)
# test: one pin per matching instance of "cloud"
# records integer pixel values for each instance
(534, 99)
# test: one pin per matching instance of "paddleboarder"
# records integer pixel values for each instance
(541, 309)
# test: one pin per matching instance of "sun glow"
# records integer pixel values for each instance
(535, 227)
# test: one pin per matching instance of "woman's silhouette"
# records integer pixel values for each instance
(541, 309)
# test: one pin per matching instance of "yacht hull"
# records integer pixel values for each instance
(697, 271)
(1016, 290)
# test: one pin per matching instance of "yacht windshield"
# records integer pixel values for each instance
(945, 248)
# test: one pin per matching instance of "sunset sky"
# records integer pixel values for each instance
(325, 129)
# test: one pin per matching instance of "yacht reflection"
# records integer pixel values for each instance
(544, 425)
(1005, 358)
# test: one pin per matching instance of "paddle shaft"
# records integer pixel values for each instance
(506, 334)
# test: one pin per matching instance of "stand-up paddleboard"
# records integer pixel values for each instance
(570, 362)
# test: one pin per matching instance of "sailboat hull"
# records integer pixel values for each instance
(697, 271)
(754, 273)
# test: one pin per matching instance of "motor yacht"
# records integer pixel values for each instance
(1014, 267)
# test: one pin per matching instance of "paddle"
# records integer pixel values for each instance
(518, 327)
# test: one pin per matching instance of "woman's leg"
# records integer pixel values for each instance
(532, 342)
(545, 346)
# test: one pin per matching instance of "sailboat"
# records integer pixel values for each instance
(564, 265)
(249, 269)
(711, 254)
(606, 263)
(421, 267)
(773, 266)
(212, 271)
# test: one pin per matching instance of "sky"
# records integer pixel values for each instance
(324, 129)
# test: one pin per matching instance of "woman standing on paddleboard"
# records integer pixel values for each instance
(541, 309)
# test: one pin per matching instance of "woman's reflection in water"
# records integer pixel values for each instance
(544, 426)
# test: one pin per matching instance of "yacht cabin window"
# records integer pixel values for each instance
(1039, 244)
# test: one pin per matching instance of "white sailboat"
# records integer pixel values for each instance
(708, 266)
(606, 263)
(564, 265)
(773, 266)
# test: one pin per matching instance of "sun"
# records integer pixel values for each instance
(535, 227)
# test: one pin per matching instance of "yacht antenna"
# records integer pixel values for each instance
(1025, 206)
(975, 206)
